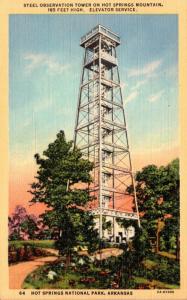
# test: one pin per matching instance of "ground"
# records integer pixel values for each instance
(18, 272)
(97, 271)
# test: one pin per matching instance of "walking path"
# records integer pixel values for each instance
(104, 253)
(18, 272)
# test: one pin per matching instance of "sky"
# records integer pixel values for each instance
(45, 62)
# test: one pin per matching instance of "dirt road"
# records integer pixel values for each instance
(18, 272)
(105, 253)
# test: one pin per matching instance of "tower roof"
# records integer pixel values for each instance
(99, 29)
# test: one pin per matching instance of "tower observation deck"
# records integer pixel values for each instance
(101, 133)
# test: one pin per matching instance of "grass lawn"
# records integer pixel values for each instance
(66, 278)
(161, 270)
(167, 254)
(155, 283)
(154, 272)
(35, 243)
(39, 280)
(149, 264)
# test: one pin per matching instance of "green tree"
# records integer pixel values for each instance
(171, 229)
(139, 244)
(22, 225)
(29, 226)
(59, 171)
(158, 200)
(135, 250)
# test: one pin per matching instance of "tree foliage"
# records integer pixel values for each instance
(59, 184)
(158, 195)
(22, 225)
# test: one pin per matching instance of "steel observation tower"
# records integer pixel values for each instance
(101, 133)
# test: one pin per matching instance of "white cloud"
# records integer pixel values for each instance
(131, 97)
(139, 84)
(155, 97)
(147, 70)
(38, 60)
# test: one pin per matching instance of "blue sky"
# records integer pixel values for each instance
(45, 67)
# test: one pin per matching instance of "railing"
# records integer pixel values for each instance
(90, 34)
(109, 57)
(91, 58)
(100, 29)
(115, 213)
(104, 55)
(109, 33)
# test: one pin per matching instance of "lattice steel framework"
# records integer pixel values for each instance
(100, 129)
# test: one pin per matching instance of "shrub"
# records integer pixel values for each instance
(20, 254)
(169, 273)
(12, 257)
(23, 253)
(28, 252)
